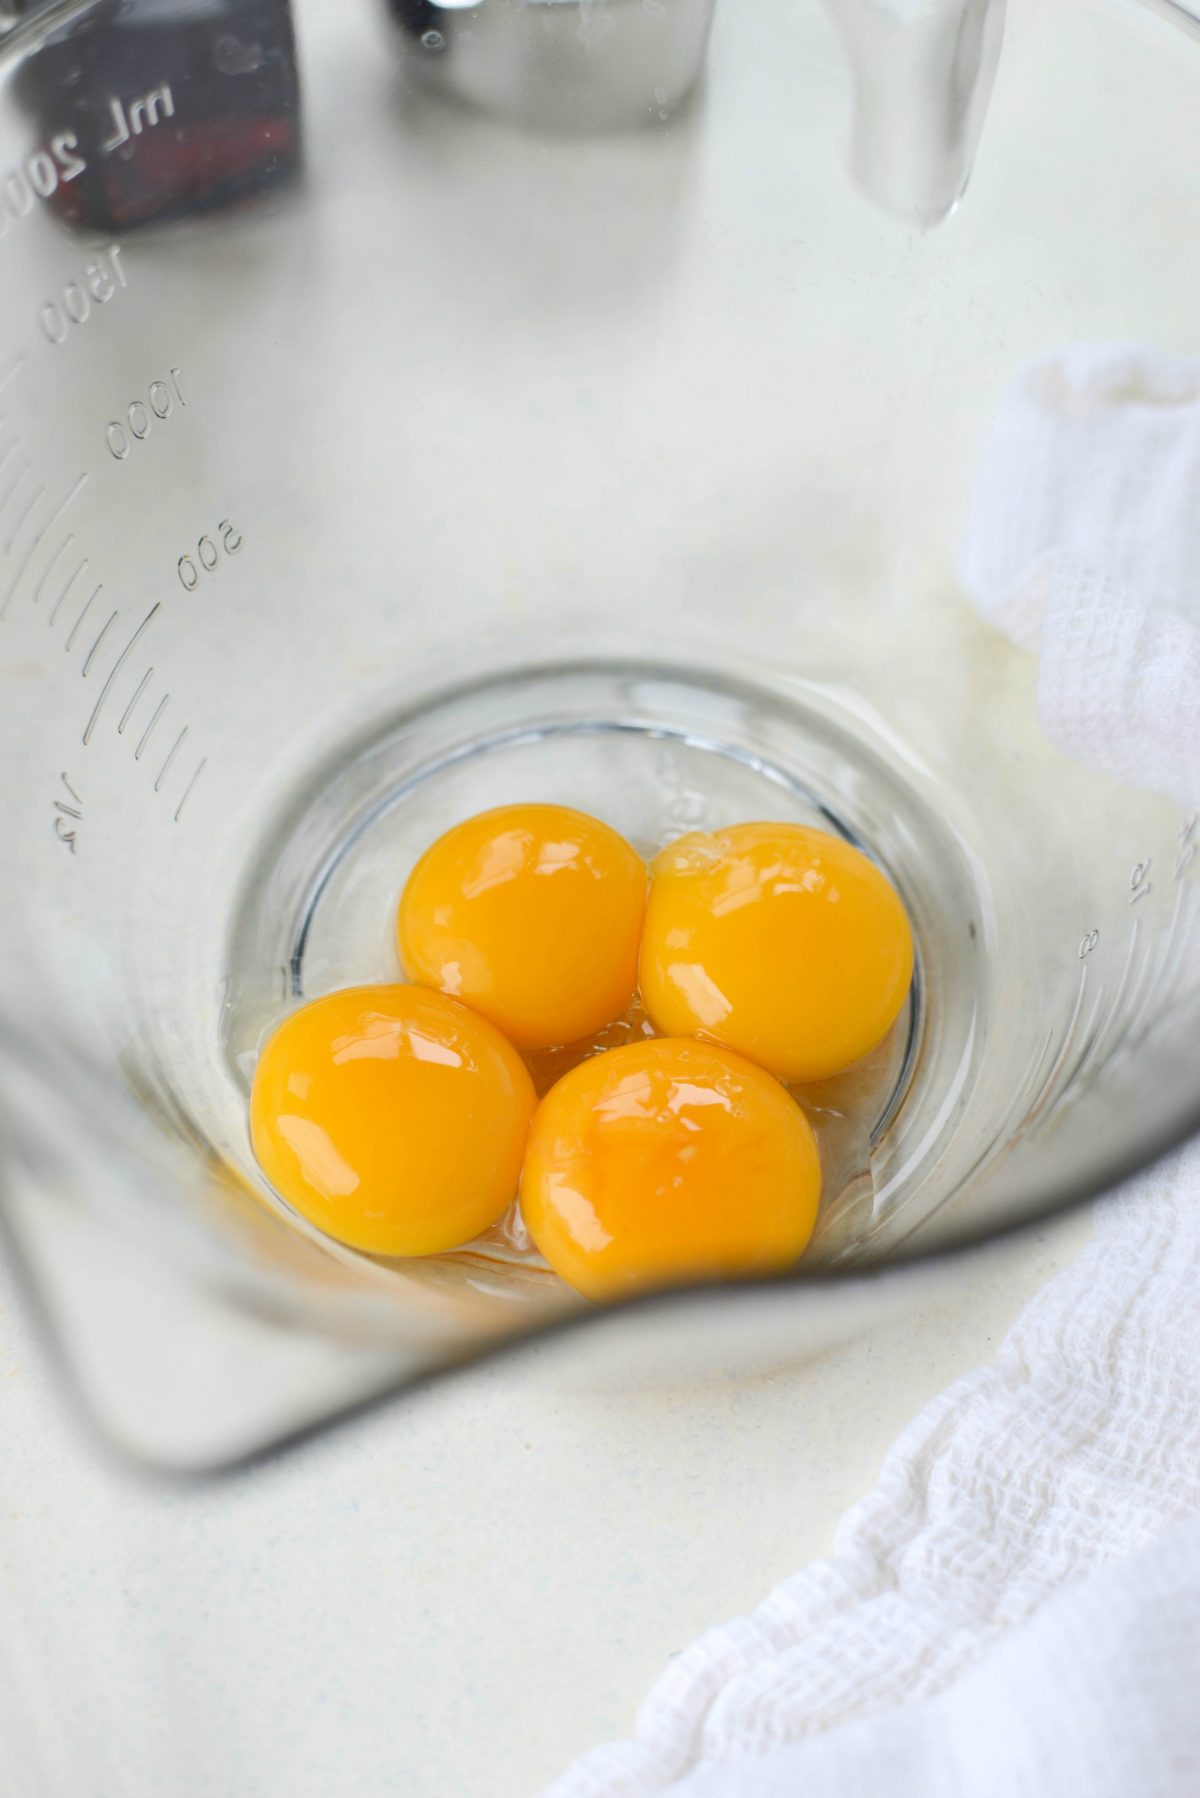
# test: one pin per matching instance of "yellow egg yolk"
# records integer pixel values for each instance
(781, 942)
(668, 1160)
(531, 914)
(392, 1118)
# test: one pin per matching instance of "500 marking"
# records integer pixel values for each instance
(208, 554)
(138, 421)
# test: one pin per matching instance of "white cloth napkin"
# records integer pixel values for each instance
(1016, 1607)
(1083, 541)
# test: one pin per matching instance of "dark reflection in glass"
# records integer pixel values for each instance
(559, 65)
(416, 16)
(163, 108)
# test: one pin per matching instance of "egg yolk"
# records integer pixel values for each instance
(530, 914)
(668, 1160)
(781, 942)
(392, 1118)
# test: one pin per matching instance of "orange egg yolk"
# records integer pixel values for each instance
(392, 1118)
(530, 914)
(668, 1160)
(781, 942)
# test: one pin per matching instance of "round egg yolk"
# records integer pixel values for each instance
(668, 1160)
(530, 914)
(392, 1118)
(781, 942)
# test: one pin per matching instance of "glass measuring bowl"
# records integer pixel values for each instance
(368, 459)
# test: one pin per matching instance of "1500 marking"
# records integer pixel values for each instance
(101, 279)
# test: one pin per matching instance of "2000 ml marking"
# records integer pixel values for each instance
(59, 160)
(130, 118)
(42, 173)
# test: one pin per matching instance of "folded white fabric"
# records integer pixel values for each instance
(1075, 1448)
(1084, 542)
(1096, 1697)
(1016, 1607)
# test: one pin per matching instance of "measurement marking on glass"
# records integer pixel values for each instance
(1037, 1068)
(137, 694)
(131, 117)
(77, 300)
(9, 491)
(45, 574)
(159, 709)
(1179, 941)
(1144, 989)
(87, 661)
(60, 807)
(62, 810)
(55, 609)
(171, 754)
(1157, 982)
(1063, 1050)
(57, 513)
(1127, 970)
(1114, 1012)
(120, 440)
(201, 765)
(116, 669)
(96, 592)
(12, 535)
(1102, 1017)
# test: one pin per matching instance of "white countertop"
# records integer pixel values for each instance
(453, 1596)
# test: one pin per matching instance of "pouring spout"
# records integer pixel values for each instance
(922, 73)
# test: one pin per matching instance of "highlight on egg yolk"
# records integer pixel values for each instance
(668, 1160)
(392, 1118)
(531, 914)
(782, 942)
